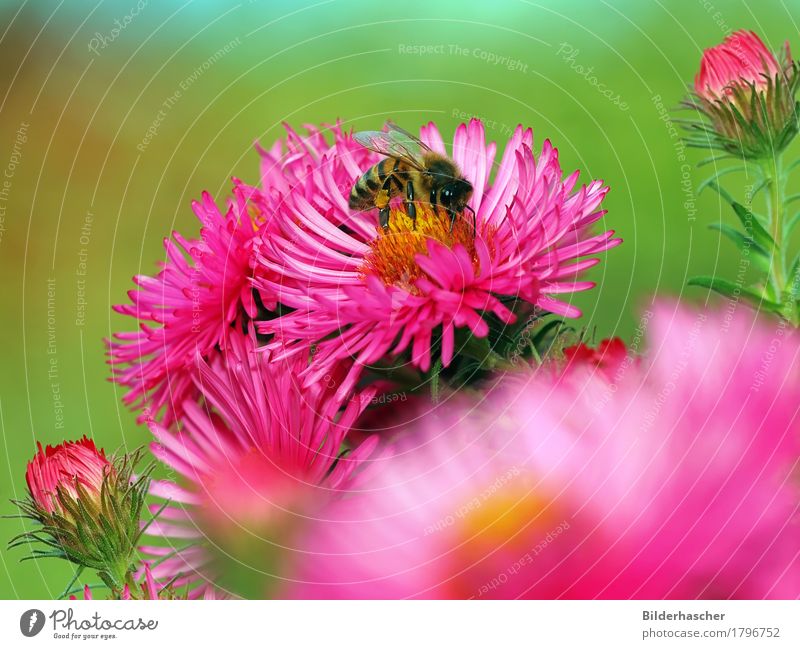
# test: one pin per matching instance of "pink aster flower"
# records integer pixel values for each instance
(748, 96)
(257, 420)
(185, 310)
(680, 481)
(64, 468)
(293, 165)
(357, 291)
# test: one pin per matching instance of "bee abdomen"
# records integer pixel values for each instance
(363, 192)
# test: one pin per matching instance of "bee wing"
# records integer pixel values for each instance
(394, 128)
(394, 144)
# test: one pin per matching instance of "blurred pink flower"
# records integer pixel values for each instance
(185, 310)
(678, 481)
(258, 431)
(357, 291)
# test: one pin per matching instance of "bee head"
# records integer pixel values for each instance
(456, 194)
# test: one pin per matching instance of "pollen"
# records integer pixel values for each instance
(393, 252)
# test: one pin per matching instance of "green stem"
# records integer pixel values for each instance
(437, 369)
(776, 206)
(118, 574)
(775, 200)
(535, 353)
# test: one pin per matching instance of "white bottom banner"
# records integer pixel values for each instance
(402, 624)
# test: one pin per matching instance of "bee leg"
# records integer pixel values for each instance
(474, 222)
(411, 209)
(383, 217)
(382, 203)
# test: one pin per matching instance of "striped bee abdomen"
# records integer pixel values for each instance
(367, 187)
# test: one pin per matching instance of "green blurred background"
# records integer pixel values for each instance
(89, 191)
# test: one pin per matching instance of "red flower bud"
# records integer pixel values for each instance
(89, 508)
(66, 465)
(741, 60)
(607, 358)
(747, 94)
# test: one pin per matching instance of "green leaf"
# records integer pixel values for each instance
(715, 158)
(44, 555)
(753, 227)
(793, 281)
(721, 191)
(544, 338)
(741, 240)
(79, 589)
(761, 258)
(71, 583)
(791, 167)
(760, 187)
(734, 291)
(467, 372)
(713, 178)
(791, 224)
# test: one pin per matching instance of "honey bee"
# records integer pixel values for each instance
(410, 168)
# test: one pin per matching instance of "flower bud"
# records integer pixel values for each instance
(88, 506)
(748, 96)
(66, 468)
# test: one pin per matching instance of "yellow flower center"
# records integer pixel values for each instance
(503, 516)
(502, 529)
(393, 252)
